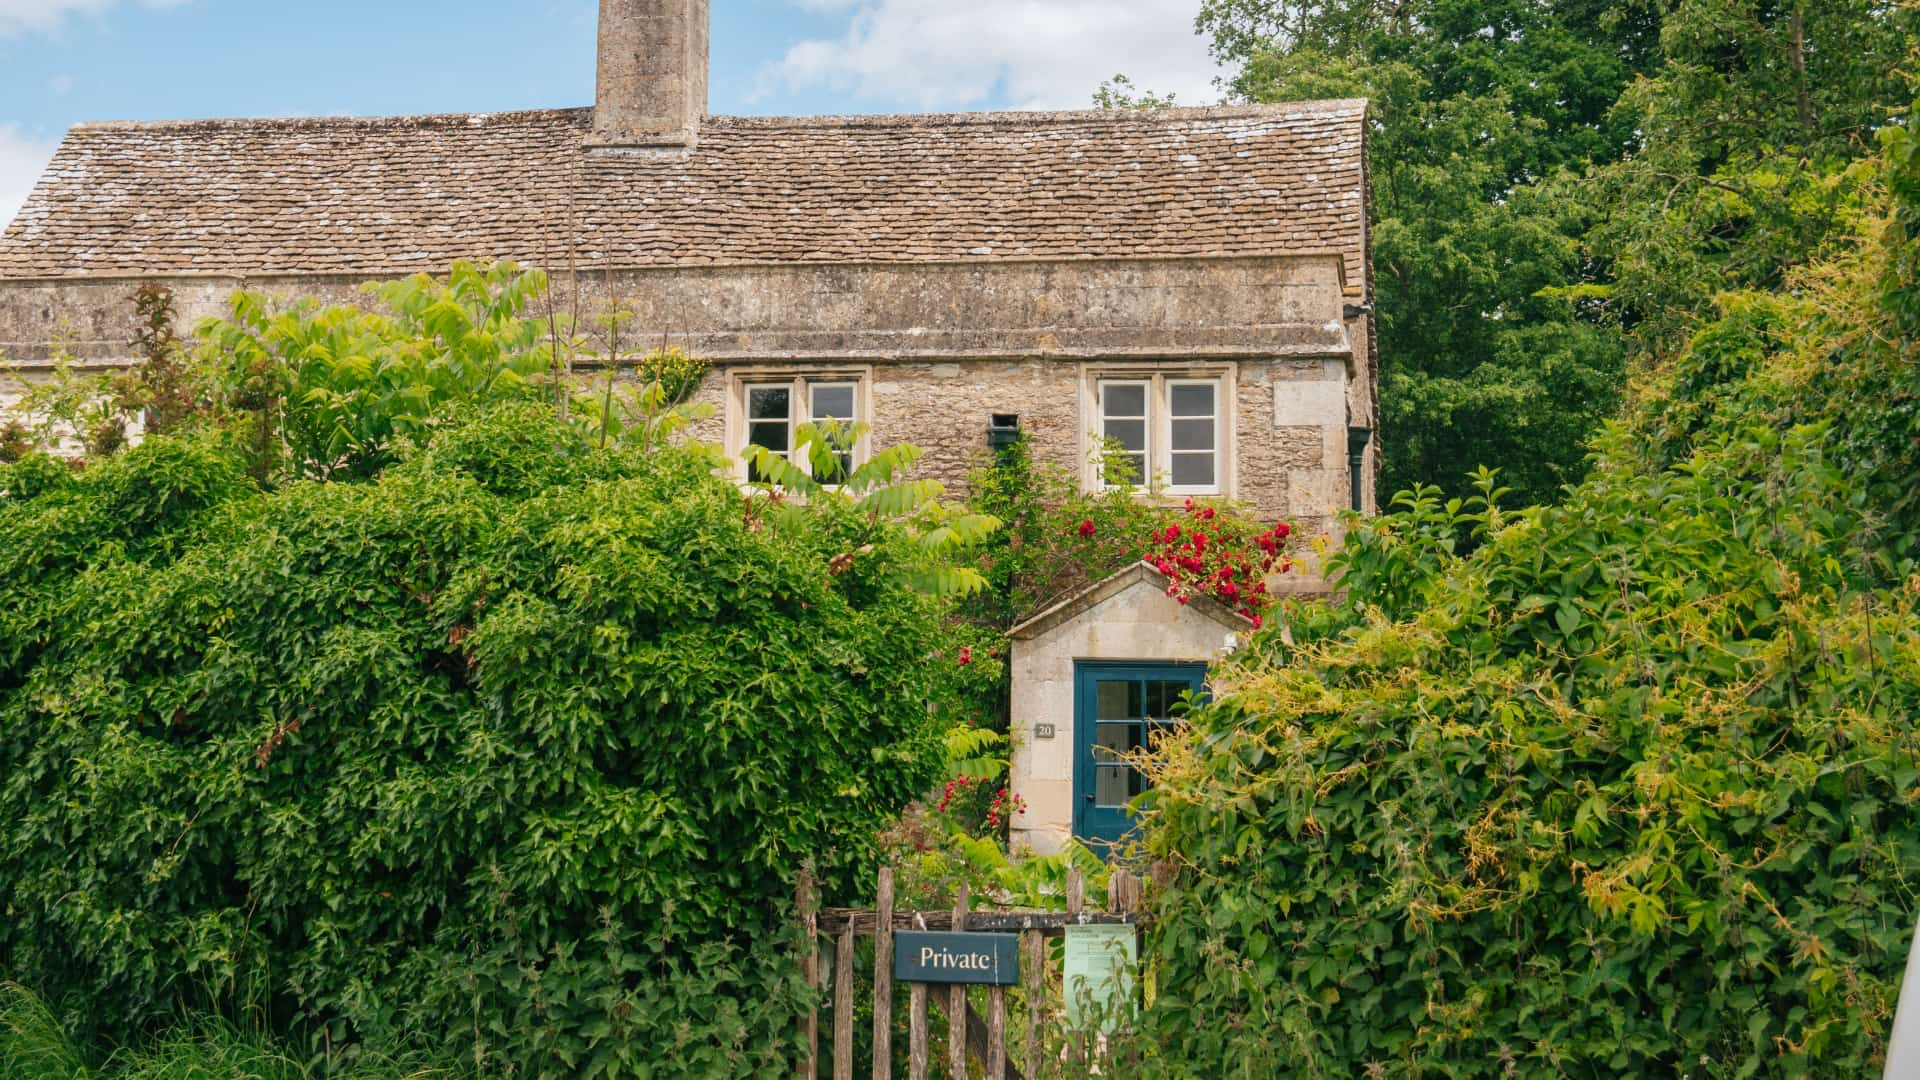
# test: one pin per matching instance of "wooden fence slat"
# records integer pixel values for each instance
(1076, 904)
(917, 1024)
(957, 1001)
(1036, 980)
(997, 1033)
(917, 1031)
(843, 1006)
(883, 977)
(810, 970)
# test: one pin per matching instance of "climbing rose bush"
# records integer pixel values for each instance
(1208, 553)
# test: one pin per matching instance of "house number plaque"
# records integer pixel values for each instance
(1043, 731)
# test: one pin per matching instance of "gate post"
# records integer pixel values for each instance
(883, 977)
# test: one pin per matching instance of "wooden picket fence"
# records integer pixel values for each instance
(969, 1035)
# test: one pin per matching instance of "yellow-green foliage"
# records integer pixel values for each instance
(1632, 790)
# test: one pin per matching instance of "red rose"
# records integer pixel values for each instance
(1257, 621)
(1087, 529)
(966, 655)
(1173, 533)
(1283, 530)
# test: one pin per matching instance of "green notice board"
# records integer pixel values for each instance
(1099, 975)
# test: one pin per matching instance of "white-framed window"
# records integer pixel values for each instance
(1169, 428)
(771, 407)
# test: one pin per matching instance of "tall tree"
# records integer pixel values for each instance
(1558, 183)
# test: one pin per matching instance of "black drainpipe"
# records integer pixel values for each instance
(1357, 440)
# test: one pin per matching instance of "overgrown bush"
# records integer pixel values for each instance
(35, 1046)
(512, 750)
(1631, 790)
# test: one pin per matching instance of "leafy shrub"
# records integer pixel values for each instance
(1056, 539)
(1630, 790)
(513, 748)
(336, 388)
(34, 1046)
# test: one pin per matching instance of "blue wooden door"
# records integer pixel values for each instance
(1119, 708)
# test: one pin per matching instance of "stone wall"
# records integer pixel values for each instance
(942, 346)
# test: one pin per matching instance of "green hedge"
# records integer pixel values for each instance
(514, 750)
(1632, 790)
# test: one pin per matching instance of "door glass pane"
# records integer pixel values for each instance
(1193, 470)
(1193, 435)
(1113, 785)
(1161, 696)
(1114, 741)
(1123, 400)
(1110, 699)
(1191, 399)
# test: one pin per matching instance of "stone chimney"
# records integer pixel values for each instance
(653, 74)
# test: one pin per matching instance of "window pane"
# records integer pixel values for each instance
(1121, 399)
(1130, 469)
(772, 436)
(1193, 434)
(833, 402)
(1110, 699)
(769, 402)
(1131, 434)
(1192, 399)
(1193, 470)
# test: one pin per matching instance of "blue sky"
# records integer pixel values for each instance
(67, 61)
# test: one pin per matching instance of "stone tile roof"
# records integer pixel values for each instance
(385, 196)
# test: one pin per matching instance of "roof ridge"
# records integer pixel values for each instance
(1014, 117)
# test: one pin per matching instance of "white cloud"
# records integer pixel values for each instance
(21, 161)
(1044, 54)
(45, 16)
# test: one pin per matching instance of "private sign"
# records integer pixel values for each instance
(987, 959)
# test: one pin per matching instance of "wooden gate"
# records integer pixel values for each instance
(969, 1035)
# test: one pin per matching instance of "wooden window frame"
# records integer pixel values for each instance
(801, 381)
(1160, 379)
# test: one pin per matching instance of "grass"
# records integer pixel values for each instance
(35, 1046)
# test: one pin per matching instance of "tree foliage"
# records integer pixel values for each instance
(1629, 790)
(513, 747)
(1558, 186)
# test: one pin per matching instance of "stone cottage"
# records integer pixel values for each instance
(1194, 283)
